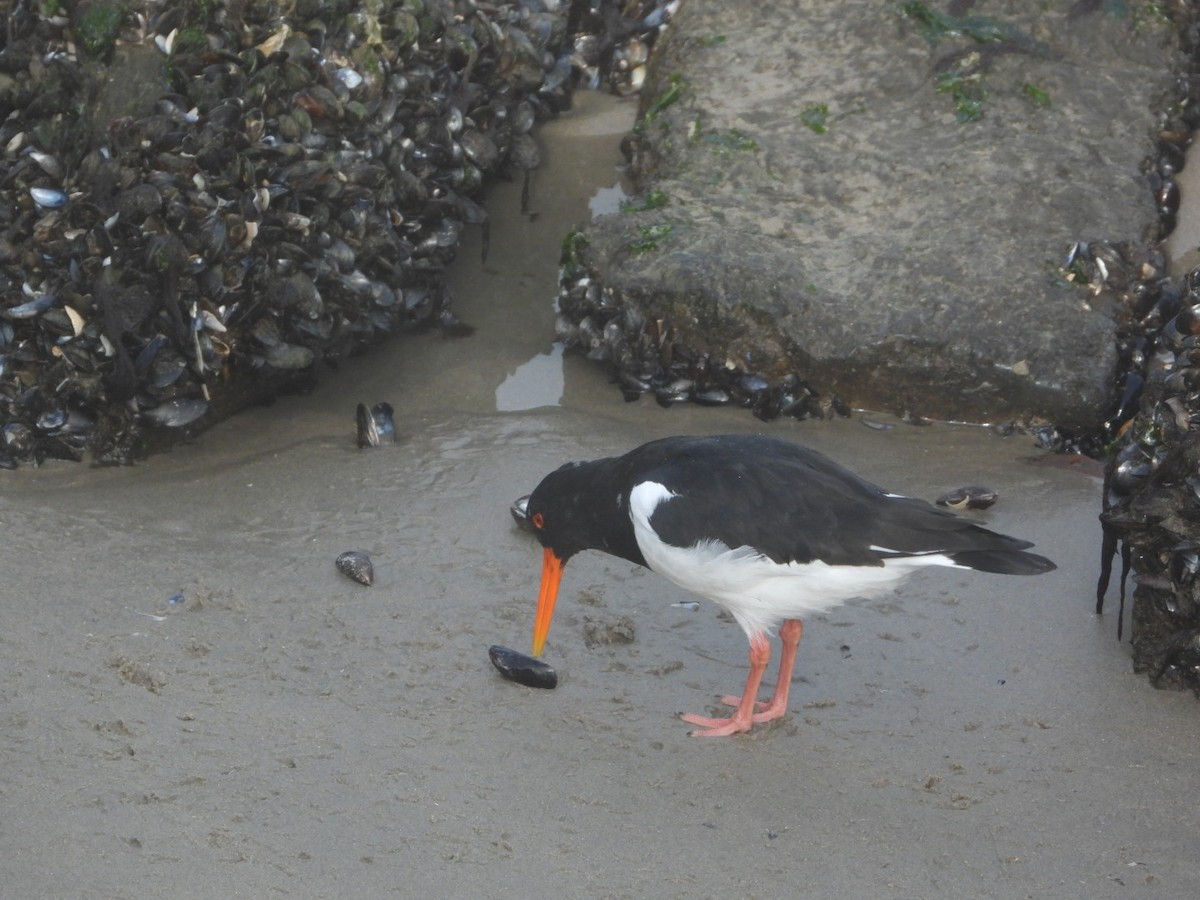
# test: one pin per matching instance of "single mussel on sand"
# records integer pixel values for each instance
(376, 425)
(519, 510)
(356, 565)
(972, 496)
(521, 668)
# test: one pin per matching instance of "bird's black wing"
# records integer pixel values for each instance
(792, 504)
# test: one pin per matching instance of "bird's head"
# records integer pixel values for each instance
(562, 520)
(561, 513)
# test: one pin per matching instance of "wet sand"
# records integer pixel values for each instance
(283, 731)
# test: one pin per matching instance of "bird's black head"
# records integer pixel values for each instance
(584, 506)
(561, 513)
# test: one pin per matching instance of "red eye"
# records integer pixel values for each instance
(538, 520)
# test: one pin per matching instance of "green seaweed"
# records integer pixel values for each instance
(1074, 276)
(649, 237)
(965, 85)
(191, 39)
(574, 241)
(97, 29)
(714, 40)
(815, 116)
(967, 93)
(666, 98)
(728, 142)
(1151, 15)
(1036, 94)
(981, 29)
(648, 201)
(672, 93)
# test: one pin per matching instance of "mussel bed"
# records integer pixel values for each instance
(202, 204)
(1150, 514)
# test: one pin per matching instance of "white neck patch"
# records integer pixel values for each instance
(644, 500)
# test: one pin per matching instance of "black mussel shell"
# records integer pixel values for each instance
(520, 513)
(375, 425)
(711, 397)
(357, 565)
(970, 497)
(383, 414)
(367, 435)
(30, 308)
(176, 413)
(521, 668)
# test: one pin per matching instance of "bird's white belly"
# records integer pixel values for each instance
(758, 592)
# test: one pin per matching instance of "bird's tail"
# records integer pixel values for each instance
(1003, 562)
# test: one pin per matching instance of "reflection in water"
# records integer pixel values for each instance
(607, 200)
(536, 383)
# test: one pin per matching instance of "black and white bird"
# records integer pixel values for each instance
(769, 530)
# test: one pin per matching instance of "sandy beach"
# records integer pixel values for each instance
(281, 731)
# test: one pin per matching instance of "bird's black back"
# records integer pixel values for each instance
(793, 504)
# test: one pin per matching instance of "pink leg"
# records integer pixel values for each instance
(743, 717)
(790, 633)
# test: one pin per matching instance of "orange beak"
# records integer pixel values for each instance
(552, 568)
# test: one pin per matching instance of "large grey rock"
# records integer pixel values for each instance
(902, 259)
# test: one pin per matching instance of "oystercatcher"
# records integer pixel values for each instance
(767, 529)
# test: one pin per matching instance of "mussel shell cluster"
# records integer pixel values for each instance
(1152, 498)
(288, 190)
(610, 42)
(1151, 503)
(646, 356)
